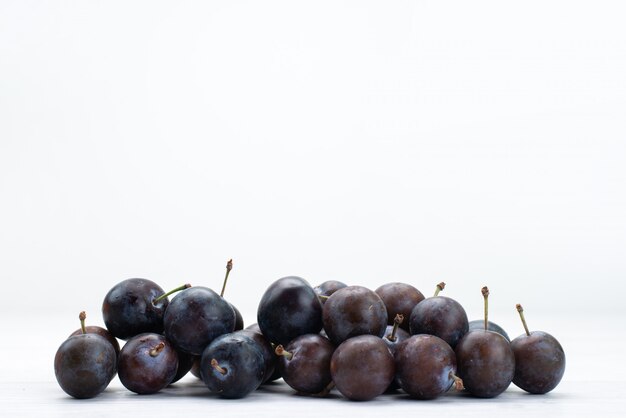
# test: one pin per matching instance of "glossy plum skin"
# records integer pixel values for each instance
(238, 318)
(84, 365)
(147, 363)
(328, 287)
(289, 308)
(485, 362)
(491, 326)
(399, 298)
(308, 369)
(242, 361)
(185, 363)
(128, 308)
(269, 358)
(195, 317)
(362, 367)
(440, 316)
(275, 375)
(400, 336)
(425, 366)
(353, 311)
(93, 329)
(539, 362)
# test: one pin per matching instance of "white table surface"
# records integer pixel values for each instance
(593, 384)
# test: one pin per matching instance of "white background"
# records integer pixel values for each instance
(473, 142)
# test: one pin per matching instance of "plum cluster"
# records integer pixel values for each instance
(362, 342)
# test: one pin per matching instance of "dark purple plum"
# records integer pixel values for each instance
(135, 306)
(305, 363)
(195, 317)
(269, 358)
(394, 335)
(276, 373)
(425, 366)
(491, 326)
(185, 363)
(85, 364)
(485, 360)
(289, 308)
(353, 311)
(399, 298)
(195, 367)
(539, 360)
(362, 367)
(327, 288)
(147, 363)
(232, 366)
(441, 316)
(93, 329)
(238, 318)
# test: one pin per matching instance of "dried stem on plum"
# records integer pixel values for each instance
(439, 288)
(521, 315)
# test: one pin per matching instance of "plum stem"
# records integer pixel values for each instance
(82, 316)
(164, 295)
(458, 382)
(157, 350)
(229, 267)
(323, 297)
(280, 351)
(396, 323)
(521, 315)
(217, 367)
(439, 288)
(485, 292)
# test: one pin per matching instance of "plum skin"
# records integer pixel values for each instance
(485, 362)
(539, 362)
(145, 373)
(308, 370)
(289, 308)
(128, 308)
(440, 316)
(353, 311)
(425, 365)
(84, 365)
(362, 367)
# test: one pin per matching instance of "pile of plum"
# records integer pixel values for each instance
(360, 342)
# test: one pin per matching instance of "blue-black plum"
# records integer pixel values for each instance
(85, 364)
(289, 308)
(232, 366)
(131, 308)
(269, 358)
(195, 317)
